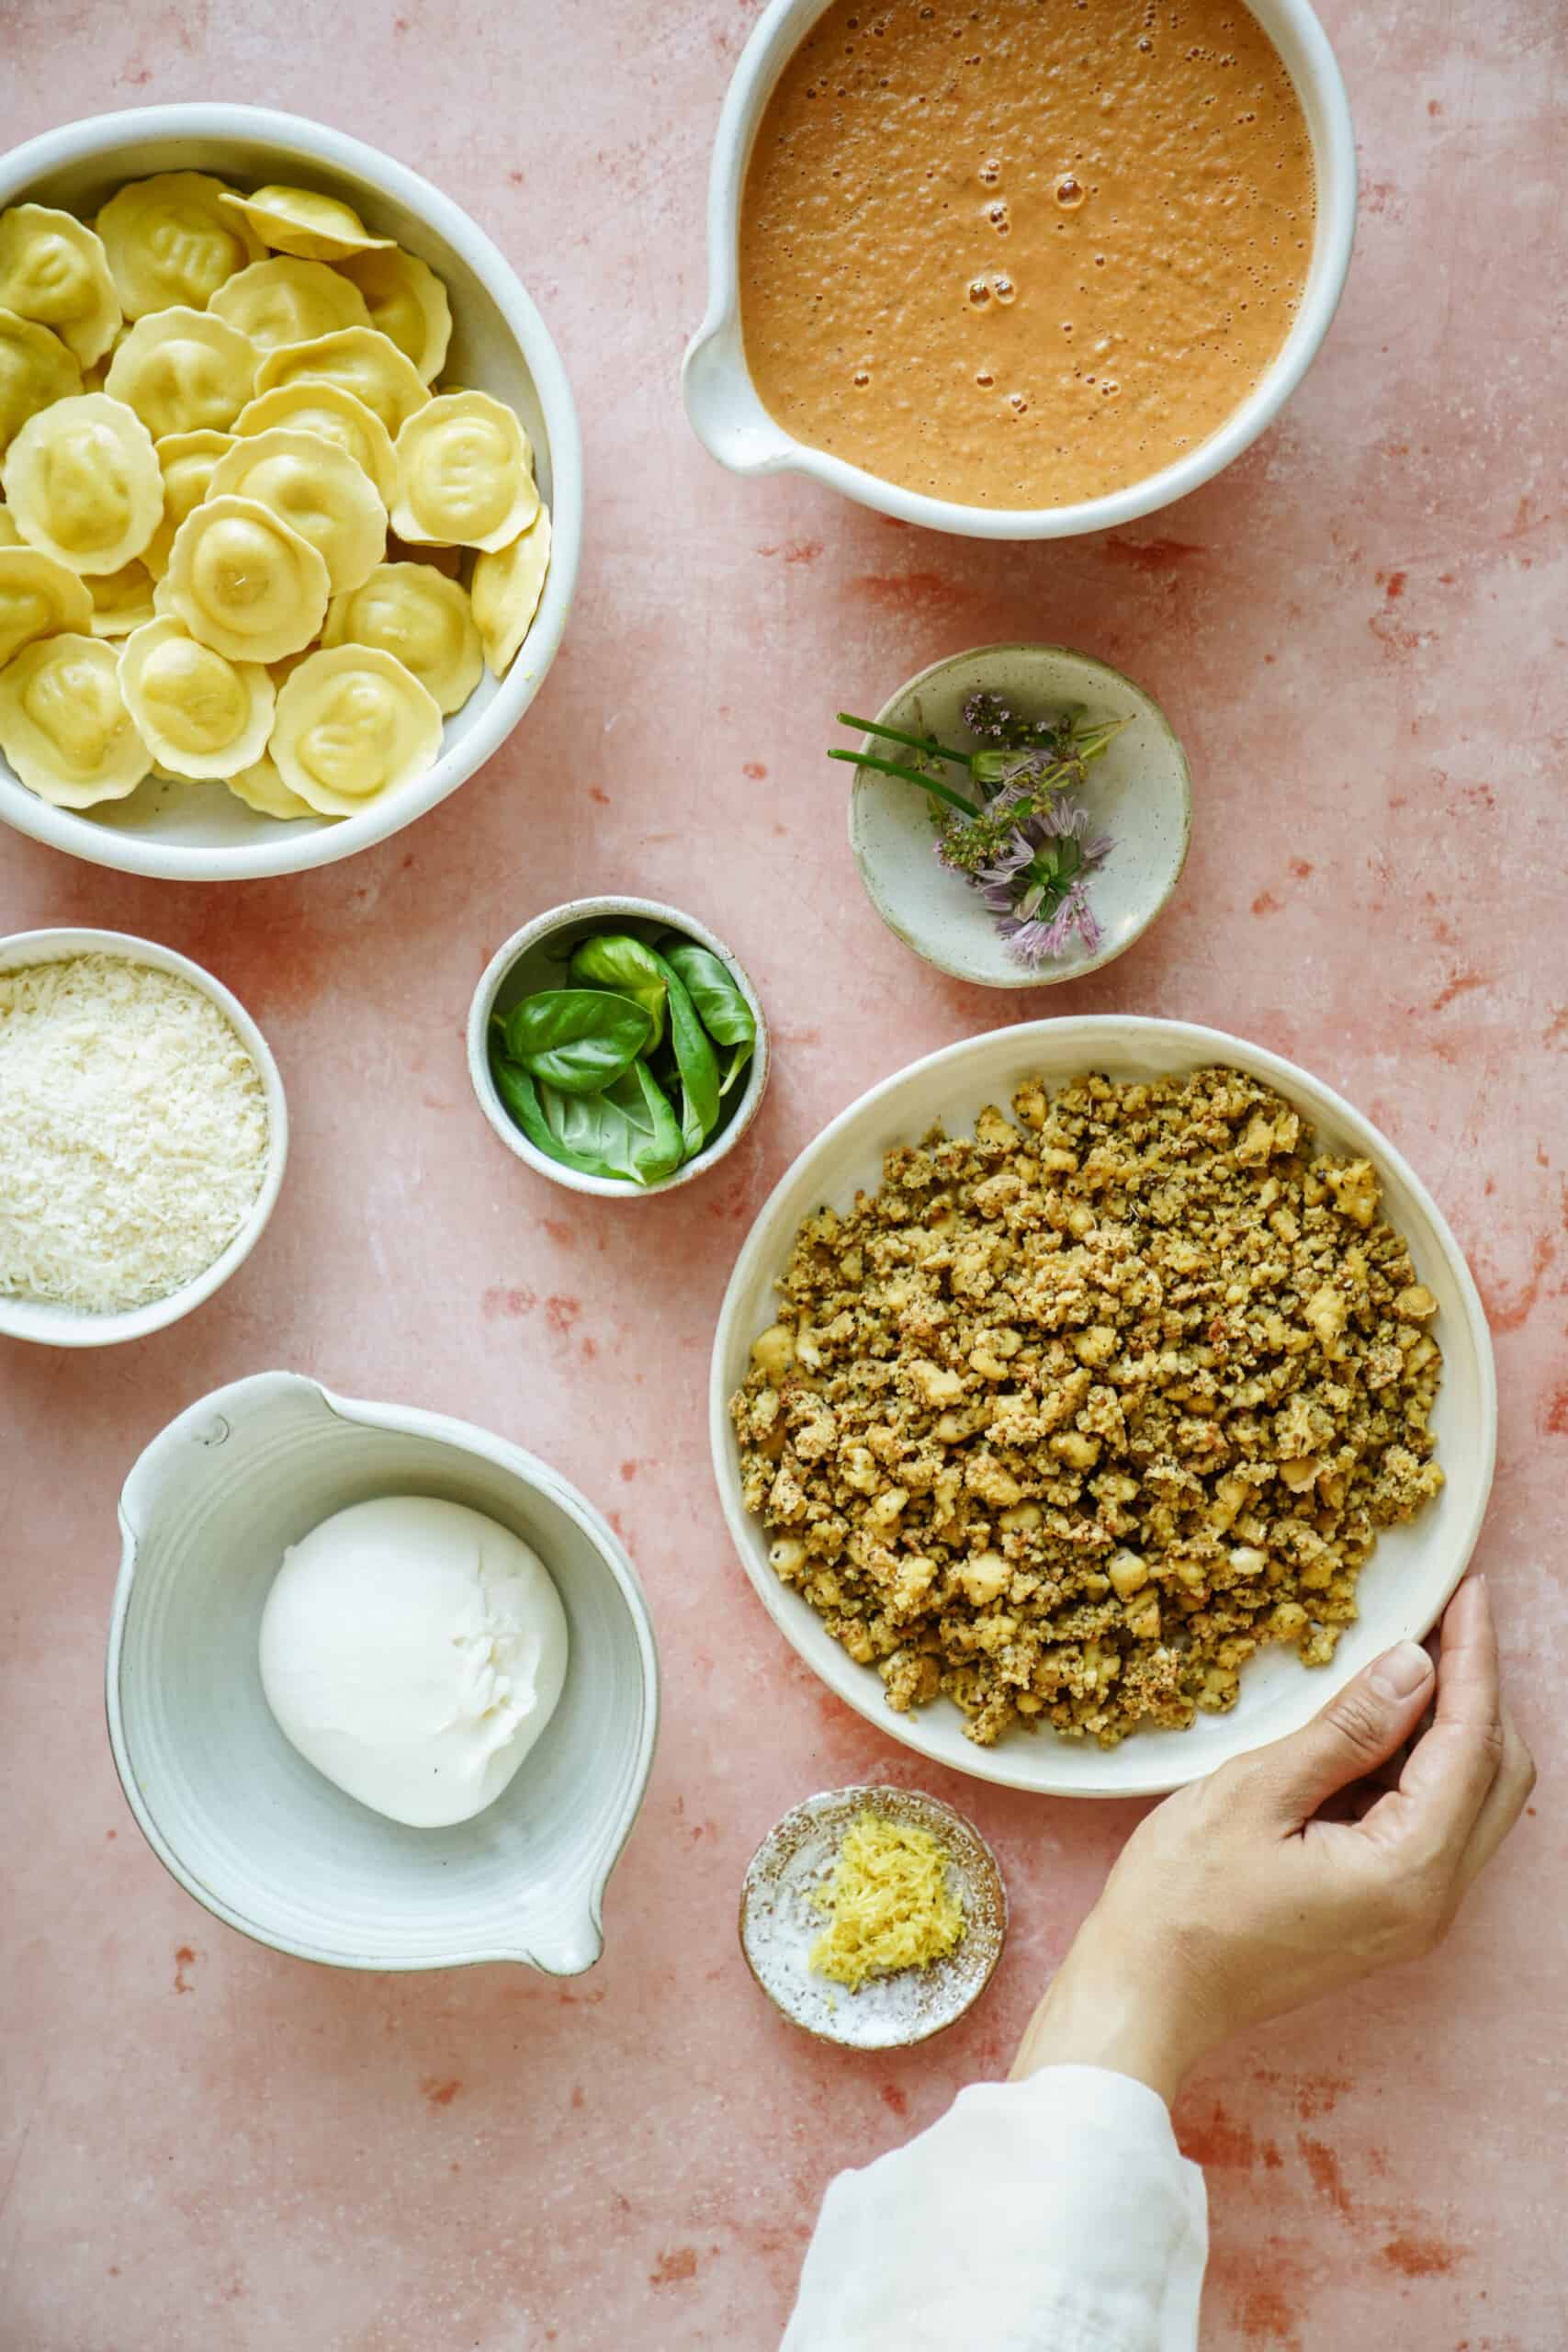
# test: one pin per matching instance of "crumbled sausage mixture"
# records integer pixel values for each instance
(1066, 1419)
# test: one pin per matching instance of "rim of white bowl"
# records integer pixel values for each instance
(46, 1325)
(576, 910)
(530, 1471)
(858, 1686)
(768, 448)
(255, 127)
(1049, 977)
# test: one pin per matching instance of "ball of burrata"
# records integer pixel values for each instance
(413, 1651)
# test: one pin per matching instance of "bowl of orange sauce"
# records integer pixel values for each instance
(1018, 269)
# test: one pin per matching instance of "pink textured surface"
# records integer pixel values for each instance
(1359, 631)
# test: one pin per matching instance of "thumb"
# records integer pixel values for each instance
(1358, 1730)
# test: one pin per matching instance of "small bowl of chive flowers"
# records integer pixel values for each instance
(1019, 814)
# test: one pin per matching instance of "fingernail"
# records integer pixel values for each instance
(1402, 1672)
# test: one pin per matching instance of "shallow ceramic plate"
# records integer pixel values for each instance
(1140, 793)
(780, 1923)
(1414, 1568)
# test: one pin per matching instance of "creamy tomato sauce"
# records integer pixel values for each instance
(1025, 253)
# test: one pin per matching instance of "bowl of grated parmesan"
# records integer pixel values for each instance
(143, 1135)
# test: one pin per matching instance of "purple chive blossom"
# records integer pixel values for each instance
(1013, 849)
(1010, 859)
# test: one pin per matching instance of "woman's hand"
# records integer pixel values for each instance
(1236, 1900)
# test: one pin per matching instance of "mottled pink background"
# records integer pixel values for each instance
(1359, 630)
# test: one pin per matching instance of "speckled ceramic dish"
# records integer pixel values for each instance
(1140, 792)
(780, 1923)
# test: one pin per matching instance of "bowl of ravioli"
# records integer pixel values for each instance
(291, 487)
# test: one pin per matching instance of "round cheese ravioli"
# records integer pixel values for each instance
(186, 461)
(54, 269)
(183, 371)
(243, 582)
(334, 415)
(301, 220)
(64, 726)
(286, 300)
(39, 597)
(358, 360)
(410, 611)
(351, 724)
(505, 593)
(122, 600)
(465, 474)
(262, 788)
(318, 492)
(170, 240)
(35, 370)
(408, 302)
(81, 479)
(200, 714)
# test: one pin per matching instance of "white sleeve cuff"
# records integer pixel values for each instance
(1056, 2211)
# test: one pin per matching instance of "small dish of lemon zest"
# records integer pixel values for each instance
(889, 1904)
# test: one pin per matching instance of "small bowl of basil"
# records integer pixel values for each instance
(616, 1046)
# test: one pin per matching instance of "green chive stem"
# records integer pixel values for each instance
(897, 735)
(929, 784)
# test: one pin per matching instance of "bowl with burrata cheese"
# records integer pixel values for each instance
(296, 1618)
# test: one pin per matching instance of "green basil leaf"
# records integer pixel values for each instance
(734, 1067)
(695, 1058)
(517, 1091)
(577, 1039)
(629, 1130)
(723, 1009)
(613, 959)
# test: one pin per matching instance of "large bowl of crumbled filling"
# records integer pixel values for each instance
(1093, 1399)
(1017, 270)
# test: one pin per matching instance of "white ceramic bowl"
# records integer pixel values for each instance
(199, 832)
(66, 1327)
(731, 421)
(535, 958)
(238, 1816)
(1139, 790)
(1415, 1567)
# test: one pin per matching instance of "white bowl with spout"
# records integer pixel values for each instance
(728, 415)
(239, 1817)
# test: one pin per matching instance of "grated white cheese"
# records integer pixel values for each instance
(133, 1133)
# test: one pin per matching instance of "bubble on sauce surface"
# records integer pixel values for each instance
(1070, 192)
